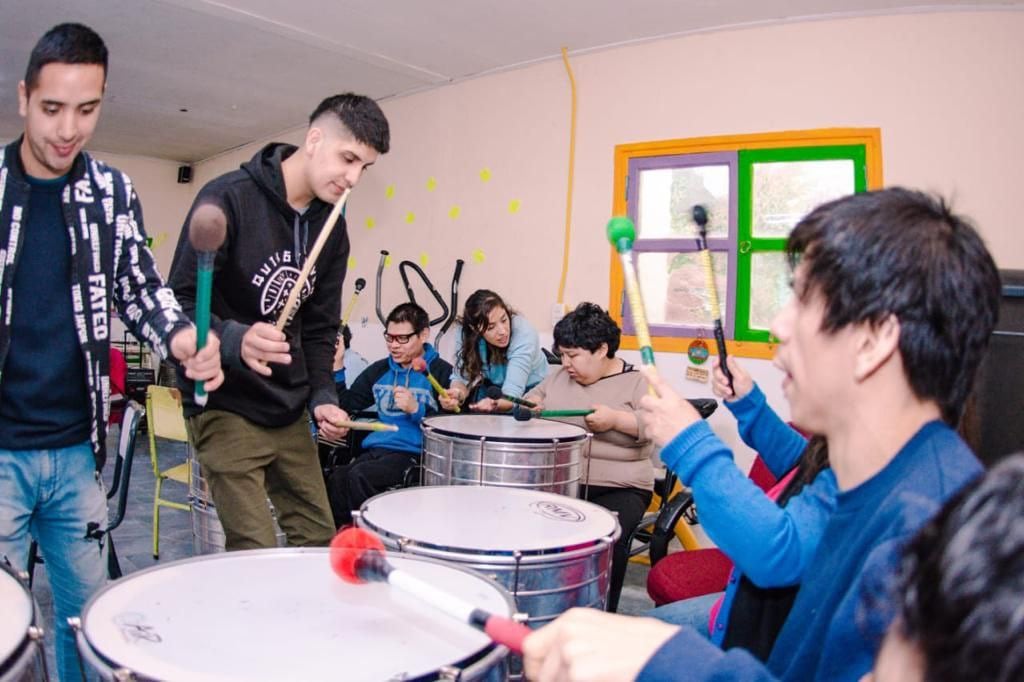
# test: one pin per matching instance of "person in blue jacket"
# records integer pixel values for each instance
(403, 397)
(895, 298)
(495, 346)
(770, 542)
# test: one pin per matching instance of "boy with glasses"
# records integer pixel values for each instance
(402, 397)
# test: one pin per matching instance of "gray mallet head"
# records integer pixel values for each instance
(208, 228)
(360, 284)
(700, 215)
(521, 414)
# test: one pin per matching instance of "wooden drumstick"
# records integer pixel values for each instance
(621, 233)
(314, 253)
(700, 216)
(363, 426)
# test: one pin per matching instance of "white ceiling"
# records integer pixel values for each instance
(248, 69)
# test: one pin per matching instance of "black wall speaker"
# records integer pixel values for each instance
(184, 174)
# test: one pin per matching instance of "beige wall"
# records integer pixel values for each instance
(164, 201)
(946, 89)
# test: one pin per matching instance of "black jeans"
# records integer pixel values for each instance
(630, 505)
(372, 472)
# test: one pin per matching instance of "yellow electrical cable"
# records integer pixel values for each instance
(572, 171)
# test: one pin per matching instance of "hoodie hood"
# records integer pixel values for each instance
(265, 170)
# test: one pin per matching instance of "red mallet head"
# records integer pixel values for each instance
(207, 228)
(349, 551)
(420, 365)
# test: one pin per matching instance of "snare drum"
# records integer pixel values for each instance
(497, 450)
(21, 639)
(282, 614)
(551, 552)
(207, 531)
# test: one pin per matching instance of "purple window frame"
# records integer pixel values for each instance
(684, 244)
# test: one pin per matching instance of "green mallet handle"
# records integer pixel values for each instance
(204, 286)
(565, 413)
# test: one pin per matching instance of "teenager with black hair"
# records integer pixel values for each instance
(252, 439)
(894, 300)
(960, 592)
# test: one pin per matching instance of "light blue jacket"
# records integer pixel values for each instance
(526, 366)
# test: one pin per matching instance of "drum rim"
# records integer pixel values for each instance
(25, 648)
(428, 428)
(482, 659)
(501, 557)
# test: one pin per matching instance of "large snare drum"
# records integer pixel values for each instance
(207, 531)
(21, 639)
(550, 551)
(497, 450)
(282, 614)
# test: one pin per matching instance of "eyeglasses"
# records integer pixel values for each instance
(400, 339)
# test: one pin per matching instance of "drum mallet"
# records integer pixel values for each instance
(494, 393)
(524, 414)
(206, 232)
(307, 267)
(420, 365)
(360, 285)
(363, 426)
(700, 216)
(621, 233)
(357, 556)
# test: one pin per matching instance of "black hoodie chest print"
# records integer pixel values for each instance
(275, 278)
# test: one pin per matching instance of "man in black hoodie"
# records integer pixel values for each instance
(252, 439)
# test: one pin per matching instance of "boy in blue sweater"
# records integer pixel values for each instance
(402, 397)
(894, 300)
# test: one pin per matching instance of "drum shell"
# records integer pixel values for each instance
(554, 466)
(27, 661)
(207, 531)
(544, 583)
(487, 665)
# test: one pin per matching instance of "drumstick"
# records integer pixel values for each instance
(494, 393)
(357, 556)
(206, 232)
(363, 426)
(360, 283)
(700, 216)
(523, 414)
(420, 365)
(621, 233)
(318, 245)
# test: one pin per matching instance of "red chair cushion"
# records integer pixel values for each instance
(692, 573)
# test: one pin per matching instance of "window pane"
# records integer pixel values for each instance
(786, 191)
(673, 287)
(667, 196)
(769, 287)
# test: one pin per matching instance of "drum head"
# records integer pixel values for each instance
(504, 428)
(488, 519)
(282, 615)
(17, 615)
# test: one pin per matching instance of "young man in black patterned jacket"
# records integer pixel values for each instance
(71, 245)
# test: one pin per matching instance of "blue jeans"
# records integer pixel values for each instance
(53, 495)
(694, 612)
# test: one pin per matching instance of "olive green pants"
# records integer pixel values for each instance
(245, 463)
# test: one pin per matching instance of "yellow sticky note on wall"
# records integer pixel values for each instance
(479, 256)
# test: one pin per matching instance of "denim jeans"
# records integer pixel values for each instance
(54, 496)
(694, 612)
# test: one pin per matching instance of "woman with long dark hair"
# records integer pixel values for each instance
(495, 346)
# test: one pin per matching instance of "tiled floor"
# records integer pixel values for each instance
(133, 538)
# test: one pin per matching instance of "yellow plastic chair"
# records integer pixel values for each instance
(164, 418)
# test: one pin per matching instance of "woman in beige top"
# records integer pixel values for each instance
(619, 472)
